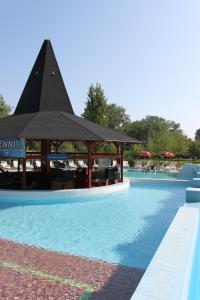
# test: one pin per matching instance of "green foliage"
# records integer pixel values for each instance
(66, 147)
(96, 105)
(150, 128)
(34, 146)
(194, 149)
(109, 148)
(116, 116)
(5, 108)
(179, 144)
(99, 111)
(197, 135)
(72, 147)
(105, 148)
(158, 141)
(174, 127)
(156, 134)
(131, 152)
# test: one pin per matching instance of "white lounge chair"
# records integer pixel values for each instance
(149, 165)
(72, 165)
(95, 164)
(159, 168)
(29, 165)
(38, 163)
(52, 164)
(171, 167)
(125, 164)
(138, 165)
(114, 163)
(15, 164)
(4, 165)
(82, 164)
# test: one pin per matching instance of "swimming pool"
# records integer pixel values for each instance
(123, 227)
(131, 173)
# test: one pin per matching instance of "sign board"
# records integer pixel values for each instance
(59, 156)
(12, 147)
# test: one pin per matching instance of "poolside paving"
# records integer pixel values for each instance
(31, 273)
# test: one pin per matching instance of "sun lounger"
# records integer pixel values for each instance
(125, 164)
(171, 167)
(159, 168)
(95, 165)
(138, 165)
(5, 165)
(15, 164)
(82, 164)
(38, 163)
(29, 165)
(72, 165)
(149, 165)
(114, 163)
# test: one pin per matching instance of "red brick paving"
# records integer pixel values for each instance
(111, 282)
(14, 285)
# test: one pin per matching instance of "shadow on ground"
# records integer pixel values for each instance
(120, 286)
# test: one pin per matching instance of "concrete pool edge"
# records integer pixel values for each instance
(158, 180)
(168, 274)
(63, 194)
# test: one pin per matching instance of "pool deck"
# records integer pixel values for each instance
(169, 272)
(31, 273)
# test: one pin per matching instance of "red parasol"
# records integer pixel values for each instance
(144, 153)
(168, 154)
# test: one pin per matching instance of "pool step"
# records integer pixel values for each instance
(198, 174)
(196, 182)
(193, 194)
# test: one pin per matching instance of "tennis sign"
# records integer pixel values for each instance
(12, 147)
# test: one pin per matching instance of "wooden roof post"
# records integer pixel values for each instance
(23, 173)
(121, 160)
(89, 146)
(18, 165)
(45, 150)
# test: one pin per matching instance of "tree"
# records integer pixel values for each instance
(147, 128)
(158, 141)
(99, 111)
(137, 129)
(194, 149)
(174, 127)
(131, 152)
(158, 135)
(179, 144)
(96, 105)
(116, 116)
(197, 135)
(5, 108)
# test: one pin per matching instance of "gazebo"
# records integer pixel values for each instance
(44, 114)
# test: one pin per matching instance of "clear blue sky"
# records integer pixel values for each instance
(144, 53)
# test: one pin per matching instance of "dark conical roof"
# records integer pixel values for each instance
(45, 89)
(44, 110)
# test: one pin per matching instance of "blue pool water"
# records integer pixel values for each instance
(153, 175)
(123, 227)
